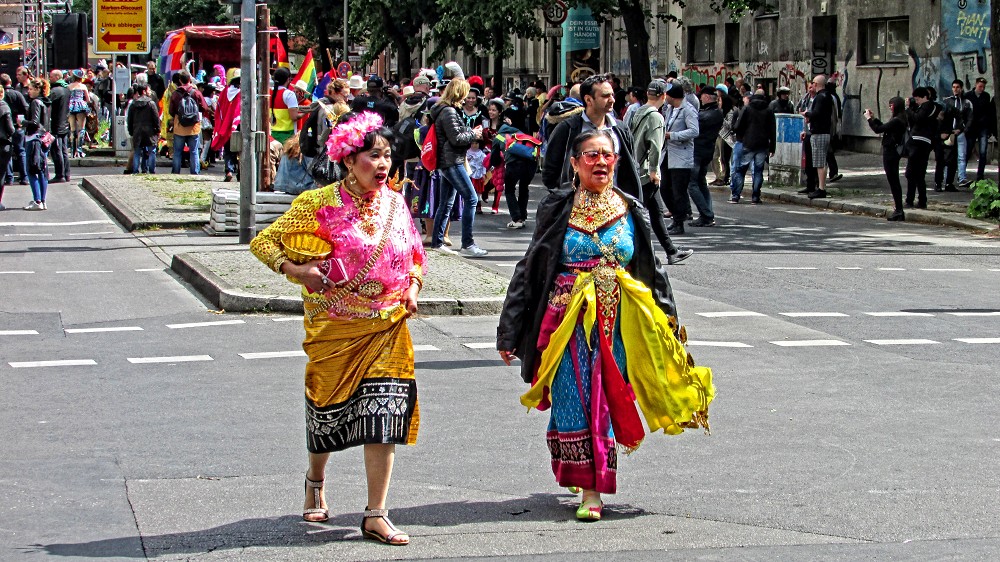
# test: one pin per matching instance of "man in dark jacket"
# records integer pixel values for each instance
(375, 100)
(6, 139)
(155, 81)
(59, 126)
(598, 101)
(18, 109)
(984, 123)
(756, 130)
(922, 115)
(956, 117)
(709, 125)
(820, 120)
(782, 103)
(143, 122)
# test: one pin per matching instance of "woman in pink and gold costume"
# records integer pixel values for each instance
(354, 248)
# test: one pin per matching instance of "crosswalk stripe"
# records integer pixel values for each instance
(944, 269)
(793, 268)
(150, 269)
(174, 359)
(731, 313)
(892, 269)
(481, 345)
(16, 272)
(273, 354)
(98, 330)
(68, 223)
(848, 268)
(425, 348)
(893, 313)
(87, 271)
(18, 332)
(978, 340)
(201, 324)
(974, 313)
(808, 343)
(57, 363)
(813, 314)
(287, 319)
(694, 343)
(902, 342)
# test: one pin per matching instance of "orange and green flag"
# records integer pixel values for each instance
(307, 72)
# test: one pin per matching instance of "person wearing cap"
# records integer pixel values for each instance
(636, 98)
(284, 107)
(375, 100)
(677, 156)
(984, 124)
(709, 125)
(782, 103)
(755, 131)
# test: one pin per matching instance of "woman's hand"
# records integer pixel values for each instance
(409, 300)
(507, 356)
(308, 274)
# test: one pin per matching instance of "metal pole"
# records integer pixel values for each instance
(264, 95)
(345, 30)
(248, 93)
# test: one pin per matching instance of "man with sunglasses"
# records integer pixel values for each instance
(598, 97)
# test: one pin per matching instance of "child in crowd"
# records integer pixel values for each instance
(477, 171)
(38, 171)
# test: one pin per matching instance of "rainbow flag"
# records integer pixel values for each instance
(172, 54)
(307, 72)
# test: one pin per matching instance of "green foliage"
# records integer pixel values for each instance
(315, 20)
(168, 15)
(481, 28)
(390, 23)
(985, 202)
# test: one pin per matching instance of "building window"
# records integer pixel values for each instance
(884, 40)
(732, 42)
(701, 44)
(768, 10)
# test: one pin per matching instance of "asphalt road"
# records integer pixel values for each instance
(856, 364)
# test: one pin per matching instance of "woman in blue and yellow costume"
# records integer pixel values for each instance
(590, 313)
(354, 248)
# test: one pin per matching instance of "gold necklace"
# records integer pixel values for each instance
(591, 211)
(368, 207)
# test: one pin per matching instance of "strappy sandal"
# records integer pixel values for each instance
(394, 533)
(317, 489)
(589, 510)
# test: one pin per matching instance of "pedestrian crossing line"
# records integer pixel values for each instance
(902, 342)
(808, 343)
(16, 272)
(99, 330)
(944, 269)
(695, 343)
(57, 363)
(729, 314)
(978, 340)
(273, 354)
(174, 359)
(287, 319)
(892, 269)
(974, 313)
(86, 271)
(91, 233)
(203, 324)
(794, 268)
(18, 332)
(150, 269)
(891, 314)
(69, 223)
(425, 348)
(995, 270)
(814, 314)
(31, 234)
(481, 345)
(849, 268)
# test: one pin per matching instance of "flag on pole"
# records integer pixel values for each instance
(307, 72)
(278, 53)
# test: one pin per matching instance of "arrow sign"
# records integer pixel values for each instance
(109, 38)
(121, 26)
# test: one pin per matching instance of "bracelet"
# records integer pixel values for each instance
(416, 279)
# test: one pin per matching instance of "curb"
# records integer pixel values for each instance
(121, 213)
(222, 295)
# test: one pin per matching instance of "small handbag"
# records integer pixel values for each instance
(47, 139)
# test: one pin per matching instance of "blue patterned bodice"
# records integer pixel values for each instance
(579, 247)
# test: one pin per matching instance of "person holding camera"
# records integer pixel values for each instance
(922, 116)
(377, 99)
(893, 134)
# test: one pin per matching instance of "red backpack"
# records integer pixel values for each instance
(429, 150)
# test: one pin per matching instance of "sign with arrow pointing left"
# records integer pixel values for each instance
(121, 26)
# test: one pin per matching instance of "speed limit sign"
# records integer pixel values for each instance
(555, 12)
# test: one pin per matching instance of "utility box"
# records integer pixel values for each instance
(786, 166)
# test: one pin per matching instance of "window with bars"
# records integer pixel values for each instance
(884, 40)
(701, 44)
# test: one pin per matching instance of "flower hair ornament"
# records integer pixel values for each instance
(347, 138)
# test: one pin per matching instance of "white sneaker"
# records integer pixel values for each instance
(473, 251)
(445, 250)
(44, 207)
(33, 207)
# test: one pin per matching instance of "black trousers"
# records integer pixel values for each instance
(916, 170)
(812, 176)
(654, 204)
(674, 190)
(890, 163)
(59, 151)
(518, 173)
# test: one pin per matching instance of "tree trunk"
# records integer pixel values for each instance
(399, 39)
(995, 48)
(323, 40)
(404, 65)
(499, 39)
(638, 40)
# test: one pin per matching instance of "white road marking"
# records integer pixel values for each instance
(70, 223)
(108, 329)
(995, 270)
(287, 319)
(892, 269)
(974, 313)
(202, 324)
(978, 340)
(90, 233)
(175, 359)
(727, 314)
(30, 234)
(59, 363)
(151, 269)
(888, 314)
(808, 343)
(18, 332)
(944, 269)
(693, 343)
(794, 268)
(425, 348)
(273, 354)
(481, 345)
(813, 314)
(16, 272)
(902, 342)
(849, 268)
(505, 264)
(87, 271)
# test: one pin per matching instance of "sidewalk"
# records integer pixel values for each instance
(229, 277)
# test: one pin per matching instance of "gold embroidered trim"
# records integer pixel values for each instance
(592, 211)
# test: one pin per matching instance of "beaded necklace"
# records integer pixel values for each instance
(591, 211)
(368, 208)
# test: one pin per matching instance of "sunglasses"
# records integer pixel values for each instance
(590, 157)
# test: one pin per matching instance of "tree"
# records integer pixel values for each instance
(313, 19)
(480, 26)
(393, 23)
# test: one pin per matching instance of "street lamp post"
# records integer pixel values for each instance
(248, 117)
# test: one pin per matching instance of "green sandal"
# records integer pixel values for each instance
(589, 510)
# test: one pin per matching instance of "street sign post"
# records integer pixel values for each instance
(121, 26)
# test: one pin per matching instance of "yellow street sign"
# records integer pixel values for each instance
(121, 26)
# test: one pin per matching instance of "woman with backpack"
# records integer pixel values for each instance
(453, 139)
(893, 134)
(36, 124)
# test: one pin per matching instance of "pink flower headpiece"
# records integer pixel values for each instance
(347, 138)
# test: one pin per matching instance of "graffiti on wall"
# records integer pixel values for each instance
(965, 28)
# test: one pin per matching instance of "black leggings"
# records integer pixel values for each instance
(890, 163)
(519, 173)
(916, 171)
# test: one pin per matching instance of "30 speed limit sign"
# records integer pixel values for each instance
(555, 13)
